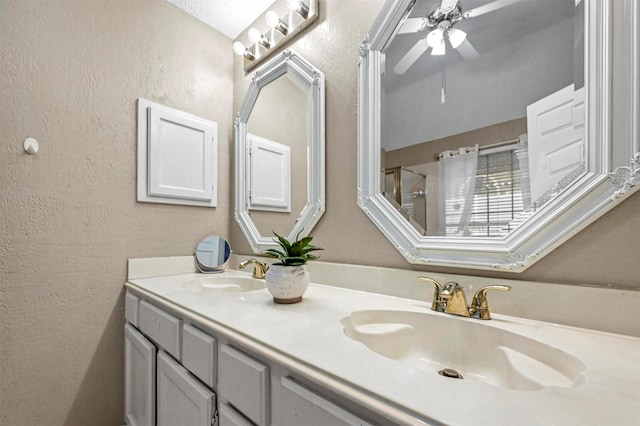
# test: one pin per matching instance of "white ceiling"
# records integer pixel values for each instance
(230, 17)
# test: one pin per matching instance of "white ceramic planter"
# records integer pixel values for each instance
(287, 284)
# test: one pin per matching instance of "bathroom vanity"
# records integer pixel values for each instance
(202, 349)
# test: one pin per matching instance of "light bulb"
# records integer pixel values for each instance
(293, 4)
(299, 7)
(435, 38)
(254, 35)
(272, 19)
(456, 37)
(276, 23)
(238, 48)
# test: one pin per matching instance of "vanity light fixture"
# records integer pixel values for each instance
(283, 24)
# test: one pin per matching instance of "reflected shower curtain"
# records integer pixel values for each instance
(457, 186)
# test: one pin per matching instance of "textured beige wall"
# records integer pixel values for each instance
(603, 254)
(70, 74)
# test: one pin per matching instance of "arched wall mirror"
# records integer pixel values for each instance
(279, 137)
(492, 131)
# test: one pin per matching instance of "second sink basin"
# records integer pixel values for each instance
(223, 284)
(474, 349)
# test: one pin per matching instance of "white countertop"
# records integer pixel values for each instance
(310, 333)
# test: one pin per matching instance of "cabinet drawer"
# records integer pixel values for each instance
(161, 327)
(131, 304)
(230, 417)
(244, 382)
(302, 406)
(200, 354)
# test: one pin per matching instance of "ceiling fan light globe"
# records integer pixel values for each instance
(456, 37)
(439, 50)
(435, 38)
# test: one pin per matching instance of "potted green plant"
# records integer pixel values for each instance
(288, 279)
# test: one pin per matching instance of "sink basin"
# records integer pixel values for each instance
(474, 349)
(223, 284)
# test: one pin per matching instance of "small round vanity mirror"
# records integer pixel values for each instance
(212, 254)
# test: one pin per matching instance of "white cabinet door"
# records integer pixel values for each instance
(181, 399)
(140, 378)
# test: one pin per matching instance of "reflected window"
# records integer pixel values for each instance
(500, 193)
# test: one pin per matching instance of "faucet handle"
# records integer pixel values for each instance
(479, 306)
(437, 288)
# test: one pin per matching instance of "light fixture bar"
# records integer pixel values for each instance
(281, 29)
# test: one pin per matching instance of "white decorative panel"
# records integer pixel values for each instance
(270, 174)
(177, 156)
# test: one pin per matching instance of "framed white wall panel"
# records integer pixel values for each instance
(177, 156)
(269, 175)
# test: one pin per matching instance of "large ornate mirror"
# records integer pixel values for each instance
(279, 137)
(491, 131)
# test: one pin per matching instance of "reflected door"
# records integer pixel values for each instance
(556, 138)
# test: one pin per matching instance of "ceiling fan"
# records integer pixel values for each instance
(441, 25)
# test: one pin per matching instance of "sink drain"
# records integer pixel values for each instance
(450, 372)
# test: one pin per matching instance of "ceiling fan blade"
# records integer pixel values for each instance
(467, 50)
(412, 25)
(411, 56)
(489, 7)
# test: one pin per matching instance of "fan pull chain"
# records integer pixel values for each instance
(444, 82)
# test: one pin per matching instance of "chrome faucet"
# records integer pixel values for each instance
(450, 299)
(259, 268)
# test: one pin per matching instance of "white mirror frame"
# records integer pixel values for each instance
(612, 169)
(287, 62)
